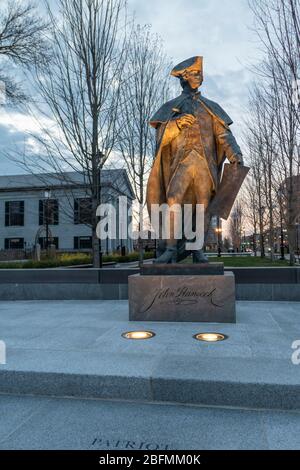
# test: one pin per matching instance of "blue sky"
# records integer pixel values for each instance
(219, 30)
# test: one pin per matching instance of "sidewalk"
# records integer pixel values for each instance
(61, 423)
(75, 348)
(91, 389)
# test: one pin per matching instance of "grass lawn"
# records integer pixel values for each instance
(244, 261)
(248, 261)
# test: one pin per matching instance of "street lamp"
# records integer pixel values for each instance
(297, 240)
(281, 240)
(47, 196)
(218, 231)
(280, 194)
(244, 239)
(262, 237)
(254, 243)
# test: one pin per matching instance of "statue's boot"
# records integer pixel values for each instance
(169, 256)
(199, 257)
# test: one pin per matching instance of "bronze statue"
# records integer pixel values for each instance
(193, 141)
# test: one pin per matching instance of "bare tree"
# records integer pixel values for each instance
(22, 41)
(145, 89)
(79, 94)
(256, 142)
(277, 25)
(263, 107)
(287, 130)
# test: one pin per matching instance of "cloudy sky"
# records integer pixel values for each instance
(219, 30)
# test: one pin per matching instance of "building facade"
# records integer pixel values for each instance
(56, 209)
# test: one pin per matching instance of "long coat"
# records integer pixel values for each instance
(226, 145)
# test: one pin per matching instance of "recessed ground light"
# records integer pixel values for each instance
(138, 334)
(210, 337)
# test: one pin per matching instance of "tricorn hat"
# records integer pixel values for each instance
(191, 64)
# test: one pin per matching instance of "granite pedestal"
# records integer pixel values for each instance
(193, 296)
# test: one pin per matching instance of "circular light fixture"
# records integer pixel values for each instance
(210, 337)
(138, 334)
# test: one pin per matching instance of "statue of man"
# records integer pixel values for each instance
(193, 141)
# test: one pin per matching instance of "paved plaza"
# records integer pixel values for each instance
(72, 381)
(60, 423)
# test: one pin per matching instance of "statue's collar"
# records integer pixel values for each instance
(191, 93)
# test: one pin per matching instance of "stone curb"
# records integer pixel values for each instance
(152, 389)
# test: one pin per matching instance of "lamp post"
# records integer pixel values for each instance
(281, 233)
(280, 195)
(244, 239)
(282, 258)
(218, 231)
(254, 243)
(297, 240)
(281, 241)
(47, 196)
(262, 237)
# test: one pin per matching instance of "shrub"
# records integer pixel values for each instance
(71, 259)
(134, 256)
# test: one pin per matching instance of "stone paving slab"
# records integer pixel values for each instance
(75, 348)
(60, 423)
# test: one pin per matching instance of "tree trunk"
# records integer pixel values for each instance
(291, 238)
(291, 222)
(96, 251)
(261, 235)
(141, 225)
(96, 243)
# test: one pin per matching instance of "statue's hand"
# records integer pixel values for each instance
(186, 120)
(237, 159)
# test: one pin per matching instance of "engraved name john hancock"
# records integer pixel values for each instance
(182, 296)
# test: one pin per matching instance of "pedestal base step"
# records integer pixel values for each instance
(178, 298)
(197, 269)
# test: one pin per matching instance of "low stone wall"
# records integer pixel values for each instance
(256, 284)
(38, 291)
(285, 275)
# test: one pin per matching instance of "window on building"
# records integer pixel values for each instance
(82, 243)
(52, 241)
(14, 243)
(14, 213)
(83, 211)
(48, 212)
